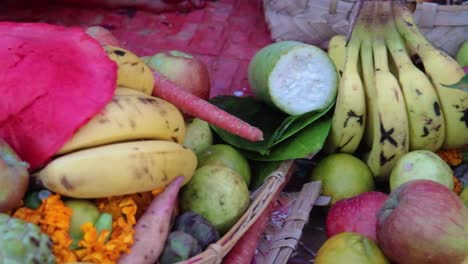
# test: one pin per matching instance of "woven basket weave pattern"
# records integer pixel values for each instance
(316, 21)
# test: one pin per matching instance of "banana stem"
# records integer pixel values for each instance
(396, 46)
(406, 26)
(381, 17)
(360, 31)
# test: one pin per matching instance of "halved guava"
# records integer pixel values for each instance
(52, 80)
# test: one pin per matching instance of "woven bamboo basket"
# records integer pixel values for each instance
(261, 199)
(316, 21)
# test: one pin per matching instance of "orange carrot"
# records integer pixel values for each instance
(195, 106)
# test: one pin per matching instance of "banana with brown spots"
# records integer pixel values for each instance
(131, 115)
(132, 71)
(118, 169)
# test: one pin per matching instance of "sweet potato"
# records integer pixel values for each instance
(152, 228)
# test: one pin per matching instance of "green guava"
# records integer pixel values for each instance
(350, 248)
(421, 164)
(225, 155)
(198, 135)
(217, 193)
(343, 176)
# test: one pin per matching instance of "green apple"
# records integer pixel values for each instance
(462, 54)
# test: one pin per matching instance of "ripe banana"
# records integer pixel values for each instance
(118, 169)
(348, 120)
(426, 121)
(337, 52)
(390, 133)
(442, 70)
(368, 76)
(132, 71)
(129, 116)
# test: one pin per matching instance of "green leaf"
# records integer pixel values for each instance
(296, 123)
(254, 112)
(307, 141)
(460, 85)
(275, 125)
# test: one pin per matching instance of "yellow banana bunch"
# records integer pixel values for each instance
(132, 72)
(118, 169)
(442, 70)
(131, 115)
(405, 108)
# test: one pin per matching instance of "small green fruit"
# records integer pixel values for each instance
(83, 211)
(225, 155)
(343, 176)
(462, 54)
(198, 135)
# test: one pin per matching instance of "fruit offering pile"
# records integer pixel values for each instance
(109, 157)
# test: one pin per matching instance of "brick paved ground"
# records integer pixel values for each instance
(225, 34)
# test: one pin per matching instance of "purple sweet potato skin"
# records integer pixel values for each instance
(53, 79)
(152, 228)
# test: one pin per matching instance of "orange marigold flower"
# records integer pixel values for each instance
(457, 186)
(453, 157)
(53, 218)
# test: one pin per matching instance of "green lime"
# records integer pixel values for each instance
(343, 176)
(225, 155)
(350, 248)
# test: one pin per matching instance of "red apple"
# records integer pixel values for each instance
(423, 222)
(357, 214)
(183, 69)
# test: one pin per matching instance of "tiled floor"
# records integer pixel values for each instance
(225, 34)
